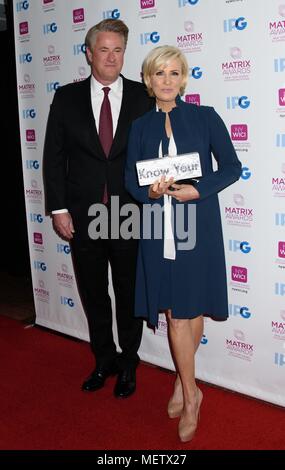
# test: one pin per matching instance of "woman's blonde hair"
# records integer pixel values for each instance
(159, 57)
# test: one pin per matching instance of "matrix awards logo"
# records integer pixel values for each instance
(63, 277)
(51, 61)
(78, 16)
(239, 214)
(278, 184)
(239, 136)
(31, 142)
(41, 293)
(280, 260)
(147, 9)
(190, 40)
(277, 26)
(237, 68)
(278, 327)
(82, 74)
(33, 193)
(27, 88)
(161, 329)
(237, 346)
(193, 99)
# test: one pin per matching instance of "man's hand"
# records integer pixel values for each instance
(62, 224)
(183, 192)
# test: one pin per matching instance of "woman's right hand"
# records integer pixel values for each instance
(159, 188)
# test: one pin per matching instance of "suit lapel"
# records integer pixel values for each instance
(123, 121)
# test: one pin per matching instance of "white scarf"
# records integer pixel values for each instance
(169, 251)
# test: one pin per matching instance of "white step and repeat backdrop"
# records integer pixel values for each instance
(236, 55)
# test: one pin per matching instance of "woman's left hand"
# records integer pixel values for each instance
(183, 192)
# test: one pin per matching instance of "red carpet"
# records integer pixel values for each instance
(42, 406)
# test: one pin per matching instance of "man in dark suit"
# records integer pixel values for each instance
(84, 157)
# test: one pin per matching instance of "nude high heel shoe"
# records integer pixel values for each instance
(188, 423)
(174, 408)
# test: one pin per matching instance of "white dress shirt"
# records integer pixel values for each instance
(97, 95)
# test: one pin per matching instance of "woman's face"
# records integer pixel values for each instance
(166, 83)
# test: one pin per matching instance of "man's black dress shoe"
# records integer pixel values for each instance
(126, 383)
(97, 379)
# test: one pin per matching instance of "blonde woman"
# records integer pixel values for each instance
(184, 283)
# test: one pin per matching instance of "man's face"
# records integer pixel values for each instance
(107, 57)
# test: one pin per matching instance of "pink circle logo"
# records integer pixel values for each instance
(51, 49)
(235, 52)
(189, 26)
(239, 199)
(281, 10)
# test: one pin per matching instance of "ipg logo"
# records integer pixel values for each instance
(280, 219)
(40, 266)
(279, 359)
(280, 140)
(49, 28)
(20, 6)
(236, 245)
(66, 301)
(236, 310)
(29, 113)
(149, 37)
(38, 218)
(279, 288)
(204, 340)
(279, 64)
(52, 86)
(245, 173)
(237, 101)
(32, 164)
(232, 24)
(79, 49)
(113, 14)
(61, 248)
(195, 72)
(183, 3)
(25, 58)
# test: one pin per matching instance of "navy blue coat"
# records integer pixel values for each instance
(198, 276)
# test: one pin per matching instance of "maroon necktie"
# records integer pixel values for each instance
(106, 130)
(106, 123)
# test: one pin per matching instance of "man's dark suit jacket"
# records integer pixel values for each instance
(75, 166)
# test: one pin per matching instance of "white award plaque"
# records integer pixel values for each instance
(183, 166)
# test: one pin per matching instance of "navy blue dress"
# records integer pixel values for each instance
(195, 282)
